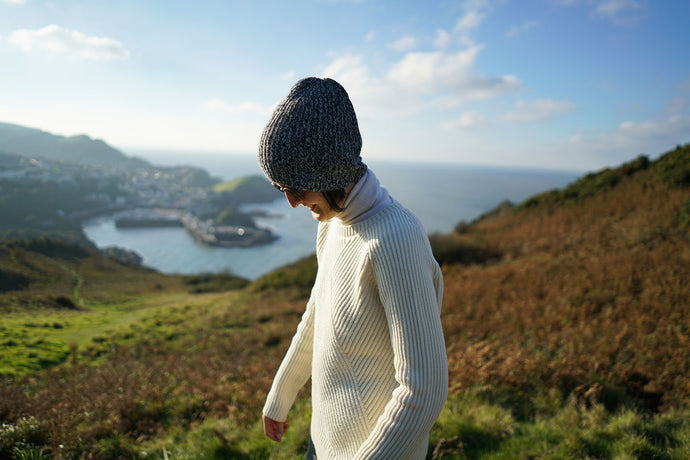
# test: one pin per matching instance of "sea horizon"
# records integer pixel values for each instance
(441, 195)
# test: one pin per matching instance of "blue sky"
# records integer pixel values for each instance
(564, 84)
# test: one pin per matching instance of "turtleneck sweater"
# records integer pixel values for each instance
(370, 337)
(365, 199)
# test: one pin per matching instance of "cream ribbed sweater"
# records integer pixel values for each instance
(371, 340)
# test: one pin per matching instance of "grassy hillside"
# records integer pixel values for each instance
(592, 286)
(246, 189)
(81, 149)
(567, 322)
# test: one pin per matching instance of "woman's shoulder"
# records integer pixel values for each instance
(396, 219)
(395, 227)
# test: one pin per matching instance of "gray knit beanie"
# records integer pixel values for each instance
(312, 141)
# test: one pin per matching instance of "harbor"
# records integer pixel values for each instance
(204, 231)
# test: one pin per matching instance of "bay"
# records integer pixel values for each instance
(441, 195)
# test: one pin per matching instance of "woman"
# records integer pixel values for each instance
(370, 337)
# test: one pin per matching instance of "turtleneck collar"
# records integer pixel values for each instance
(366, 198)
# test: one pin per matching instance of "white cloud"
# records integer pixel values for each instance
(467, 120)
(468, 22)
(428, 70)
(419, 80)
(517, 30)
(537, 110)
(404, 43)
(442, 39)
(55, 39)
(14, 2)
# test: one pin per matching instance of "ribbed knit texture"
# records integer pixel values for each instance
(312, 141)
(371, 339)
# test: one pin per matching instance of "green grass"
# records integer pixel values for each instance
(228, 186)
(31, 341)
(470, 427)
(222, 438)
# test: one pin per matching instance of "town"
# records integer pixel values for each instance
(142, 196)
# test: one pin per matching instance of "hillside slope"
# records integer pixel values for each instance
(558, 313)
(81, 149)
(592, 286)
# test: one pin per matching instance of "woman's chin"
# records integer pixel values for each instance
(319, 215)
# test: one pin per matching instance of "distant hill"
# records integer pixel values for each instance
(246, 189)
(81, 149)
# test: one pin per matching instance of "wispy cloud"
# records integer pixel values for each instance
(616, 11)
(404, 43)
(467, 120)
(14, 2)
(537, 110)
(469, 21)
(519, 29)
(370, 36)
(648, 137)
(57, 40)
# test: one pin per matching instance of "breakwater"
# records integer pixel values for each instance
(203, 231)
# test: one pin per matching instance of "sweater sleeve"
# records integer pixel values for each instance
(410, 287)
(295, 369)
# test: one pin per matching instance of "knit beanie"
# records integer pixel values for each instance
(312, 141)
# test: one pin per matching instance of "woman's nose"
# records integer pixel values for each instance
(292, 199)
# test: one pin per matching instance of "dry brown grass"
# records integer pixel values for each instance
(596, 289)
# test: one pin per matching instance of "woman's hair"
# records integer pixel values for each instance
(334, 198)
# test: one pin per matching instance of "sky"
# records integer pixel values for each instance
(575, 85)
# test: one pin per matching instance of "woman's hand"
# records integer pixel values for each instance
(273, 429)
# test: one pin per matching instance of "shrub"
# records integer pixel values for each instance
(12, 280)
(50, 247)
(448, 250)
(674, 167)
(63, 301)
(218, 282)
(299, 276)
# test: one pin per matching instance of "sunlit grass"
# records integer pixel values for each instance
(31, 340)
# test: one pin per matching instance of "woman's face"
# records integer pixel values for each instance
(315, 201)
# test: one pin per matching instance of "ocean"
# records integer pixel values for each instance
(441, 195)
